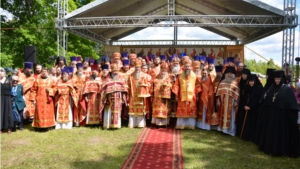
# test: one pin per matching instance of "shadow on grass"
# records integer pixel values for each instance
(213, 149)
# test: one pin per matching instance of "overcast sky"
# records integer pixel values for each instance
(269, 47)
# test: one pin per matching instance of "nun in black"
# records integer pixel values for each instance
(279, 132)
(241, 111)
(253, 91)
(269, 82)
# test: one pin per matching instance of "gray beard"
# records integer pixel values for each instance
(115, 77)
(136, 75)
(201, 66)
(187, 73)
(79, 73)
(65, 79)
(176, 69)
(210, 68)
(204, 78)
(229, 79)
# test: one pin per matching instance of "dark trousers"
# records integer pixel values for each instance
(19, 124)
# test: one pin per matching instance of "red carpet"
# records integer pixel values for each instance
(156, 148)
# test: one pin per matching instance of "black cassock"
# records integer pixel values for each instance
(279, 131)
(251, 99)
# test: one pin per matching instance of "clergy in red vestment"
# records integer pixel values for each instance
(79, 80)
(186, 91)
(161, 107)
(91, 94)
(27, 80)
(206, 102)
(86, 67)
(228, 92)
(139, 84)
(43, 92)
(113, 95)
(66, 97)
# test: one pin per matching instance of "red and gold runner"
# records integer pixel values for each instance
(156, 148)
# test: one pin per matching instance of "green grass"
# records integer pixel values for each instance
(89, 148)
(80, 148)
(212, 149)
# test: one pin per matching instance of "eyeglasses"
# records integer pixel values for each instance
(15, 81)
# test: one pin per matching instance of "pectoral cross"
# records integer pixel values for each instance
(274, 98)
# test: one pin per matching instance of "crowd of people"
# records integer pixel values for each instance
(136, 91)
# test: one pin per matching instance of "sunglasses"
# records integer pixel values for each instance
(15, 81)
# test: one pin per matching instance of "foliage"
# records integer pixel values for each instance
(260, 66)
(6, 60)
(33, 23)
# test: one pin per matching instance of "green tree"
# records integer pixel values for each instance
(34, 26)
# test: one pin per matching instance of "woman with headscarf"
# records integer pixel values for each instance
(7, 123)
(269, 82)
(279, 132)
(250, 104)
(243, 95)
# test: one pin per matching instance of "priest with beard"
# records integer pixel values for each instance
(216, 82)
(66, 97)
(211, 68)
(206, 102)
(280, 132)
(175, 72)
(43, 91)
(79, 80)
(27, 80)
(247, 119)
(113, 95)
(154, 71)
(139, 85)
(227, 101)
(86, 67)
(186, 91)
(105, 74)
(38, 71)
(161, 97)
(73, 62)
(60, 62)
(91, 95)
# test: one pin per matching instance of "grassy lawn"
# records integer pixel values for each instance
(80, 148)
(89, 148)
(212, 149)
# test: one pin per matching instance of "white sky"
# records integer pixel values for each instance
(269, 47)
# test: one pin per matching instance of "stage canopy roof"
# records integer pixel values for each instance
(244, 21)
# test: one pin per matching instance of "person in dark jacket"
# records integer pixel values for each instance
(18, 101)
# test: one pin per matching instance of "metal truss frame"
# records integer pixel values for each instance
(171, 42)
(62, 34)
(288, 39)
(178, 20)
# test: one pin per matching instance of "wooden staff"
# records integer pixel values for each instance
(244, 124)
(245, 118)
